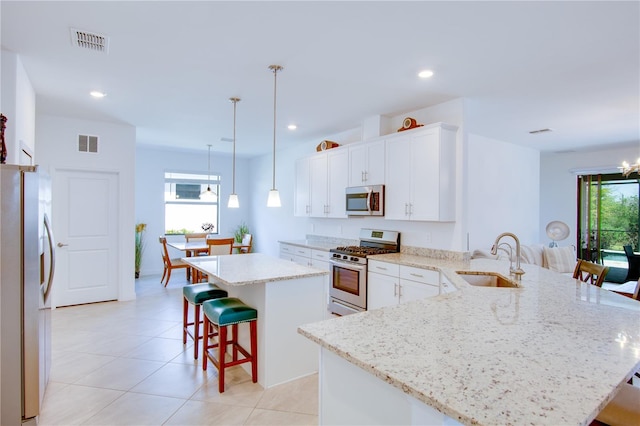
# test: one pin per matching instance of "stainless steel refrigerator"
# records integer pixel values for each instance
(27, 260)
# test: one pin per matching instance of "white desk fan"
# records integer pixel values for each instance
(557, 231)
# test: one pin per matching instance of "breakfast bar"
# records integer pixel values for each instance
(551, 351)
(285, 295)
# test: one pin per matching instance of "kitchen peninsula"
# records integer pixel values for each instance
(552, 351)
(286, 295)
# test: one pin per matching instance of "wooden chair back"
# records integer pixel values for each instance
(220, 246)
(247, 241)
(164, 251)
(169, 264)
(198, 236)
(590, 272)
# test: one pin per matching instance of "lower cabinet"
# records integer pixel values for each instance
(390, 284)
(309, 257)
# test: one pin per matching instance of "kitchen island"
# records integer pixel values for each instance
(553, 351)
(285, 295)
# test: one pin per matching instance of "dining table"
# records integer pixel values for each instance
(192, 248)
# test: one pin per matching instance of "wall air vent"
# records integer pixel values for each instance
(87, 143)
(91, 41)
(535, 132)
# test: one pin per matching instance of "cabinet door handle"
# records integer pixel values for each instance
(380, 267)
(406, 209)
(399, 290)
(417, 275)
(410, 208)
(307, 208)
(395, 290)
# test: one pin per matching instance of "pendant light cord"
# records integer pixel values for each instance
(275, 69)
(235, 101)
(209, 170)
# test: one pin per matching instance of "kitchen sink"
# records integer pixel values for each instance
(486, 280)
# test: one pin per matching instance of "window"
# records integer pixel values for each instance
(184, 210)
(609, 217)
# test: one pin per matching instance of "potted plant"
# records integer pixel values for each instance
(140, 228)
(239, 232)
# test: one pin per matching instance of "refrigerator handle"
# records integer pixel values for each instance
(52, 254)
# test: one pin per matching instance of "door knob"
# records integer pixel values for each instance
(62, 245)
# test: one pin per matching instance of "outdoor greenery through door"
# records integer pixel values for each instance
(608, 217)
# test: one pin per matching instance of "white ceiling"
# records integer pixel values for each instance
(173, 65)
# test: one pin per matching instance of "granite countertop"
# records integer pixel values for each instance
(553, 351)
(251, 268)
(324, 244)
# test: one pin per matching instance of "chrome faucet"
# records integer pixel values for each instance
(509, 253)
(518, 272)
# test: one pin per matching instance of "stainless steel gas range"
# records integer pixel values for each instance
(348, 277)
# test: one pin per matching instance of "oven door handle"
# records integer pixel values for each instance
(369, 201)
(348, 265)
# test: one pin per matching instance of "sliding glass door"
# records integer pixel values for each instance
(608, 217)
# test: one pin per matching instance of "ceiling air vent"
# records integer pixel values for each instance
(91, 41)
(535, 132)
(87, 143)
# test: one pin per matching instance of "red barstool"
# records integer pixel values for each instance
(218, 315)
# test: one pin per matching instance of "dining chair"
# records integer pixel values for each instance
(590, 272)
(198, 236)
(220, 246)
(245, 245)
(170, 264)
(624, 408)
(216, 246)
(633, 259)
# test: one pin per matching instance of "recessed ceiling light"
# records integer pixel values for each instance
(425, 74)
(292, 127)
(97, 94)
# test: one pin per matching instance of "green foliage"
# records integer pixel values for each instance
(619, 220)
(239, 232)
(179, 231)
(139, 241)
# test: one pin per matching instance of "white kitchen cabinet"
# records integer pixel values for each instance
(296, 254)
(382, 290)
(445, 285)
(302, 192)
(390, 284)
(366, 163)
(420, 174)
(320, 183)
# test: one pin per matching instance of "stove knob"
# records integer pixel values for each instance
(354, 259)
(345, 257)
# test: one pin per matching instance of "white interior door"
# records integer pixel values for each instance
(86, 224)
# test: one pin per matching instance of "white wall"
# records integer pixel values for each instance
(558, 182)
(18, 104)
(57, 148)
(152, 163)
(273, 224)
(503, 192)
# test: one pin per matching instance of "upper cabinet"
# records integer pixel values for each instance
(302, 194)
(416, 166)
(366, 163)
(420, 174)
(320, 183)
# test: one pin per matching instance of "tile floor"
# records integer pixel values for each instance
(123, 363)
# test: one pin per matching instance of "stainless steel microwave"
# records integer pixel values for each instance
(365, 200)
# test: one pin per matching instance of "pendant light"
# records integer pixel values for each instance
(274, 195)
(208, 194)
(234, 203)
